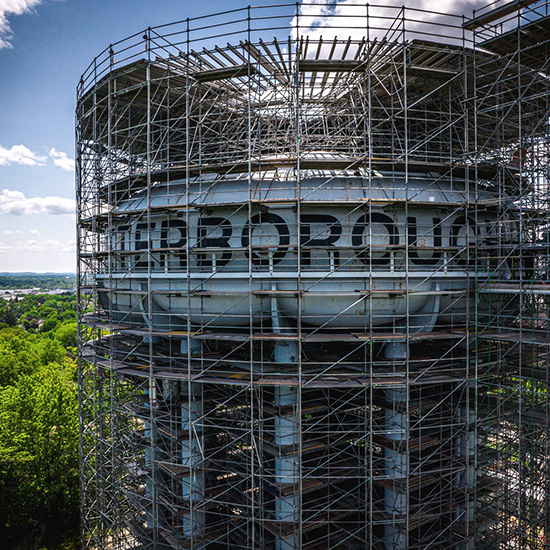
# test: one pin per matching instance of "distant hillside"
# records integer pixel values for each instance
(43, 281)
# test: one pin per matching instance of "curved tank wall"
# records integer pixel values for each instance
(401, 242)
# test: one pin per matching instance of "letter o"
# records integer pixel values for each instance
(282, 230)
(359, 228)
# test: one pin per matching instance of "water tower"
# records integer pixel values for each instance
(282, 227)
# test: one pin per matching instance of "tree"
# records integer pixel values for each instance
(8, 316)
(39, 451)
(66, 334)
(39, 436)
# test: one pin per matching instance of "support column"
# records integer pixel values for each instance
(192, 483)
(287, 466)
(150, 435)
(190, 346)
(466, 480)
(287, 436)
(396, 459)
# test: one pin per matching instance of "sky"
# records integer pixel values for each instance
(45, 45)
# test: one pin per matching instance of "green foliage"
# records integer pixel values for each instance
(66, 334)
(44, 281)
(38, 312)
(17, 358)
(39, 474)
(39, 451)
(8, 316)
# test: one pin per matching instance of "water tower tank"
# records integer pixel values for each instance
(366, 248)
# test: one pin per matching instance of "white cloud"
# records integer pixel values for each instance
(34, 232)
(346, 18)
(12, 232)
(16, 203)
(62, 160)
(47, 246)
(7, 9)
(19, 154)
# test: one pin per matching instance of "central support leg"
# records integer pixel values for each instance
(397, 429)
(287, 439)
(192, 483)
(466, 480)
(287, 467)
(150, 436)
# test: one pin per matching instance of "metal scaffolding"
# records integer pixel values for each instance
(313, 251)
(512, 123)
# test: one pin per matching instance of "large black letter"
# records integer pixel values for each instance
(359, 229)
(305, 234)
(120, 234)
(457, 225)
(282, 230)
(203, 241)
(181, 226)
(142, 243)
(413, 242)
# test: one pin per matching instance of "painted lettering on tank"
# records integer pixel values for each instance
(267, 238)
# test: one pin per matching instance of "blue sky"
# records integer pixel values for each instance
(46, 48)
(45, 45)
